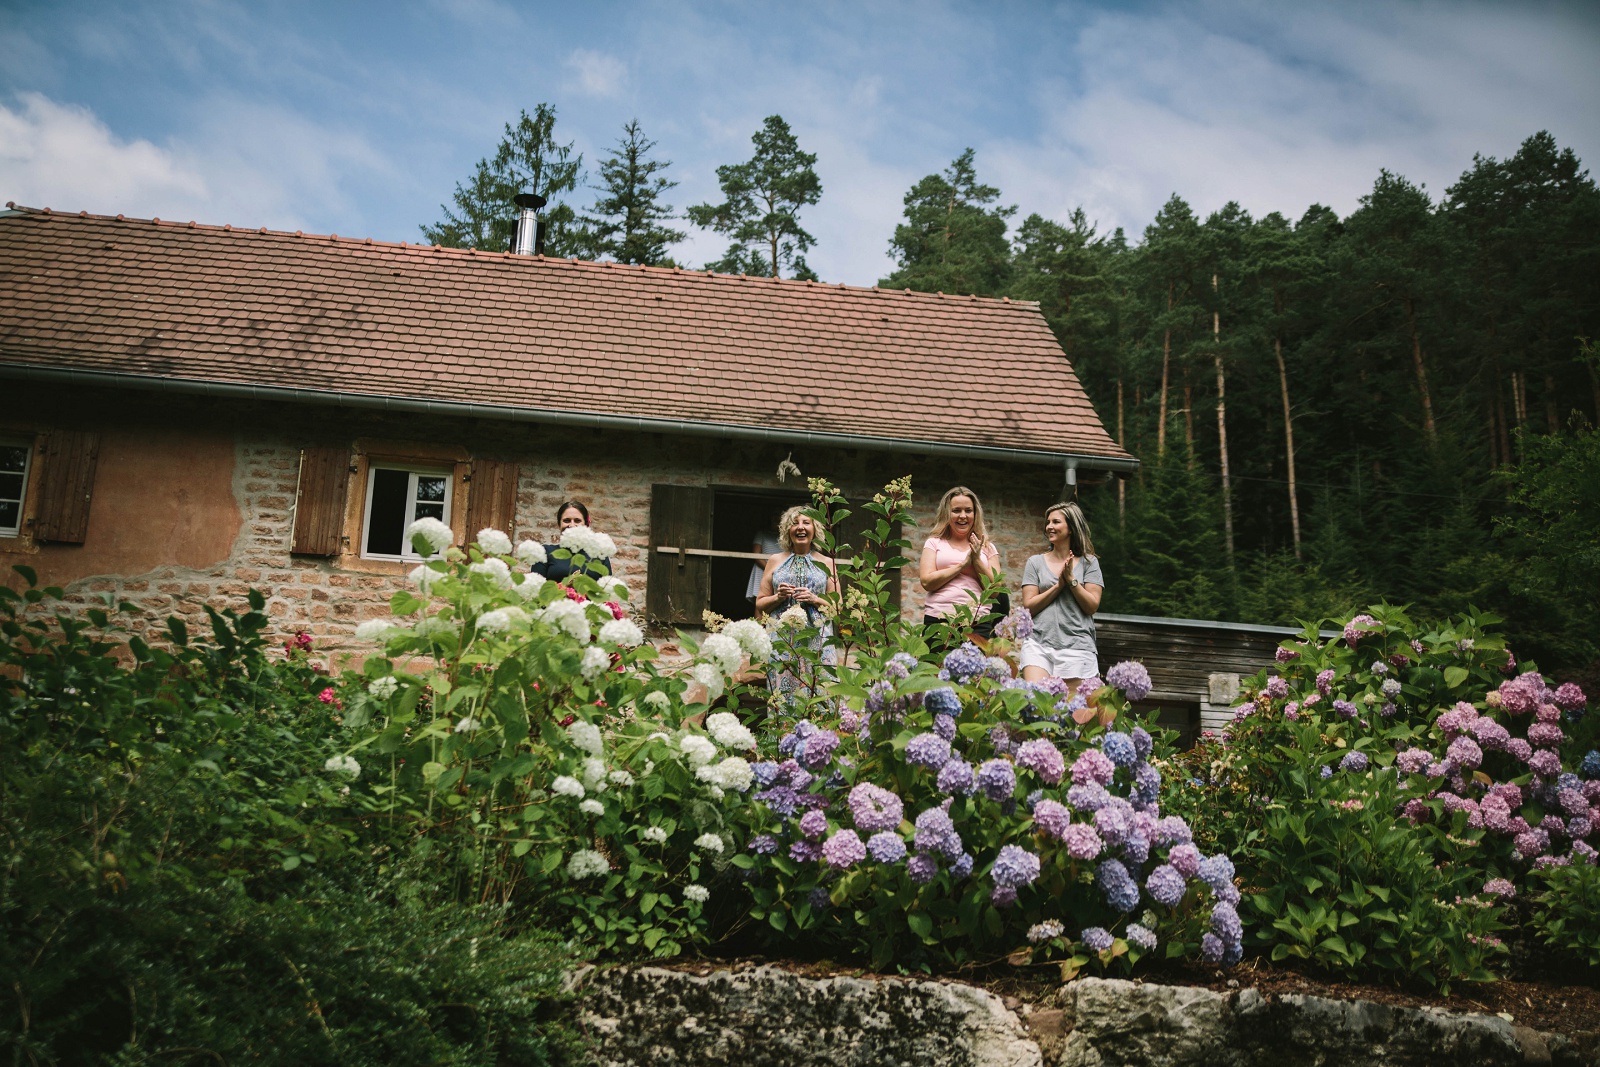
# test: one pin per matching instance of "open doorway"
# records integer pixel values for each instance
(741, 519)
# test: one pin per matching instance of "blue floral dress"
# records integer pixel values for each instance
(785, 682)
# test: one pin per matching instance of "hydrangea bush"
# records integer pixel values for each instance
(1383, 742)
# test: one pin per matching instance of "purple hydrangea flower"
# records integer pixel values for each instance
(1277, 688)
(996, 669)
(1014, 866)
(944, 726)
(874, 808)
(1569, 696)
(844, 849)
(1132, 678)
(1545, 735)
(1053, 818)
(1226, 925)
(1082, 841)
(1146, 785)
(763, 844)
(805, 851)
(886, 847)
(813, 824)
(942, 701)
(781, 799)
(1141, 937)
(815, 751)
(1346, 709)
(764, 773)
(899, 666)
(963, 663)
(928, 750)
(1114, 821)
(1325, 681)
(1143, 743)
(1121, 891)
(1093, 766)
(1165, 885)
(922, 868)
(1090, 797)
(1172, 830)
(1545, 762)
(956, 777)
(935, 832)
(1185, 858)
(962, 866)
(1355, 762)
(1285, 655)
(878, 695)
(1216, 871)
(1211, 948)
(1355, 628)
(1326, 772)
(1096, 939)
(1042, 758)
(1464, 752)
(997, 779)
(1119, 749)
(1003, 896)
(1018, 626)
(1391, 687)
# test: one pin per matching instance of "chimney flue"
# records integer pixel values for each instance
(526, 242)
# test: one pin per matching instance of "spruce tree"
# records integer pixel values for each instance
(629, 215)
(952, 241)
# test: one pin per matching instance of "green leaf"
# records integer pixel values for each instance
(1455, 676)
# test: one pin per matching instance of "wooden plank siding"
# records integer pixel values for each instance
(492, 498)
(66, 485)
(319, 501)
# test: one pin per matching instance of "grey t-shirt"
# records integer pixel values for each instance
(1062, 623)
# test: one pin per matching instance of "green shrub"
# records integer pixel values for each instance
(1566, 911)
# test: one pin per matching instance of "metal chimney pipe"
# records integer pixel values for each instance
(526, 241)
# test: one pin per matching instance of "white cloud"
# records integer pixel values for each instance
(598, 74)
(63, 157)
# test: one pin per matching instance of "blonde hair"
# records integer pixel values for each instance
(941, 519)
(786, 525)
(1077, 527)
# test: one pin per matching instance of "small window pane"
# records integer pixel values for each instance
(10, 487)
(430, 511)
(10, 513)
(386, 519)
(13, 458)
(430, 488)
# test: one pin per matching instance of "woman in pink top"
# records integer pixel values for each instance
(958, 559)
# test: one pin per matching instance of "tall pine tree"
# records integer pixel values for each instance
(952, 240)
(761, 210)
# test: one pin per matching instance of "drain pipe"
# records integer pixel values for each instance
(1069, 488)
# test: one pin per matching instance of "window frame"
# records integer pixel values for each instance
(28, 444)
(408, 554)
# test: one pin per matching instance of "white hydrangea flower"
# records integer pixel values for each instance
(624, 633)
(621, 778)
(732, 773)
(752, 637)
(385, 687)
(587, 863)
(697, 893)
(467, 724)
(794, 619)
(345, 765)
(708, 843)
(530, 586)
(569, 617)
(594, 772)
(531, 553)
(654, 833)
(374, 629)
(567, 786)
(724, 651)
(500, 619)
(649, 765)
(595, 659)
(709, 676)
(726, 730)
(591, 807)
(496, 569)
(435, 535)
(715, 791)
(698, 750)
(591, 543)
(586, 736)
(494, 541)
(424, 576)
(433, 624)
(657, 702)
(611, 583)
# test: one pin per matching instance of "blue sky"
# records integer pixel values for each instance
(358, 118)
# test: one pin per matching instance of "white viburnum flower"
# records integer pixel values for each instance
(591, 807)
(494, 541)
(595, 660)
(345, 765)
(374, 629)
(698, 750)
(587, 542)
(624, 633)
(708, 675)
(611, 583)
(531, 553)
(433, 624)
(586, 736)
(726, 730)
(569, 617)
(435, 536)
(655, 834)
(530, 586)
(708, 843)
(500, 619)
(385, 687)
(594, 772)
(697, 893)
(467, 724)
(567, 786)
(620, 778)
(587, 863)
(424, 576)
(752, 637)
(657, 701)
(724, 651)
(732, 773)
(496, 569)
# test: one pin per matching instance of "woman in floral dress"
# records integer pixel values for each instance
(793, 585)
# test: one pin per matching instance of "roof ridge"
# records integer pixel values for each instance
(478, 253)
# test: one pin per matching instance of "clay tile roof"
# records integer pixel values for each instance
(250, 307)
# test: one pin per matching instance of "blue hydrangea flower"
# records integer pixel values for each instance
(818, 899)
(1326, 772)
(1355, 762)
(1225, 923)
(997, 778)
(1165, 885)
(1136, 849)
(764, 773)
(1097, 939)
(945, 726)
(1118, 747)
(878, 696)
(942, 701)
(1015, 866)
(886, 846)
(1590, 767)
(1089, 797)
(928, 750)
(1142, 937)
(935, 832)
(962, 867)
(900, 666)
(1121, 892)
(1003, 896)
(763, 844)
(1146, 785)
(963, 663)
(1216, 871)
(1212, 948)
(1143, 743)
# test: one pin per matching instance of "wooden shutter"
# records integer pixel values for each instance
(851, 539)
(319, 501)
(66, 483)
(491, 497)
(679, 589)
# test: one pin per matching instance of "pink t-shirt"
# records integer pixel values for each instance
(964, 587)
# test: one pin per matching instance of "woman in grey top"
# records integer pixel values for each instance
(1062, 589)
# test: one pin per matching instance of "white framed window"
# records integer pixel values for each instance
(15, 459)
(397, 496)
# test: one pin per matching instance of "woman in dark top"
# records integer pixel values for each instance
(569, 515)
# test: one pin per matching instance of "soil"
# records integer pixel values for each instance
(1569, 1008)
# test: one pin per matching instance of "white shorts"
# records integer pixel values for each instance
(1060, 662)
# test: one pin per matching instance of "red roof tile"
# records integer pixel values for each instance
(350, 315)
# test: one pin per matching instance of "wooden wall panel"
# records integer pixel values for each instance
(66, 486)
(319, 501)
(492, 498)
